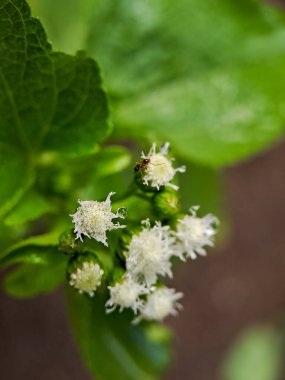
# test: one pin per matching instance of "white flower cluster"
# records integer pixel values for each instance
(193, 234)
(93, 219)
(148, 257)
(160, 304)
(125, 294)
(158, 170)
(149, 254)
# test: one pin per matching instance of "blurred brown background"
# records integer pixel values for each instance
(236, 286)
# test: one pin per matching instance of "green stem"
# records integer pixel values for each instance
(128, 193)
(143, 196)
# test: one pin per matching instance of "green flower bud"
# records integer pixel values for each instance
(68, 244)
(166, 203)
(84, 273)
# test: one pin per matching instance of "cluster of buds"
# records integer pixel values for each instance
(148, 258)
(146, 253)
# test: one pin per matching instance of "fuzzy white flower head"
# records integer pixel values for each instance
(195, 233)
(159, 170)
(93, 219)
(160, 304)
(87, 279)
(148, 254)
(125, 294)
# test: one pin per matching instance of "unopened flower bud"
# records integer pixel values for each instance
(68, 244)
(166, 203)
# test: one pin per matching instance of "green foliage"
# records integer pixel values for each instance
(41, 267)
(107, 170)
(41, 270)
(28, 281)
(112, 347)
(13, 186)
(257, 355)
(111, 160)
(32, 206)
(47, 100)
(206, 76)
(84, 175)
(222, 116)
(49, 239)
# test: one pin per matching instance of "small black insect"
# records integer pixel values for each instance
(142, 164)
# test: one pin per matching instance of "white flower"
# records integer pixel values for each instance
(148, 254)
(87, 279)
(195, 233)
(125, 294)
(161, 303)
(159, 170)
(93, 219)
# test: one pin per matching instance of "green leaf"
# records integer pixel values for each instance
(50, 239)
(111, 160)
(47, 100)
(216, 118)
(168, 41)
(12, 188)
(257, 354)
(112, 347)
(46, 96)
(32, 206)
(101, 167)
(80, 116)
(43, 270)
(99, 187)
(206, 76)
(30, 254)
(10, 234)
(88, 176)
